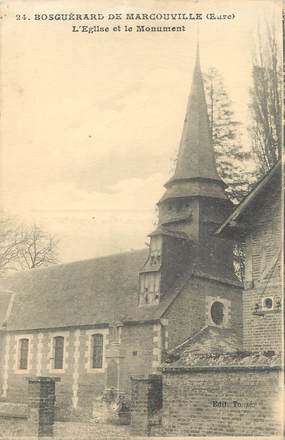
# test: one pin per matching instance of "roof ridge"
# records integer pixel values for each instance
(70, 263)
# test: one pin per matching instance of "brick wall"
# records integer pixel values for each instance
(202, 403)
(263, 331)
(146, 404)
(264, 240)
(41, 411)
(140, 403)
(189, 313)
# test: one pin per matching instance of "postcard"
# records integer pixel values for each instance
(141, 233)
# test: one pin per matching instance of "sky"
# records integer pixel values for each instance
(91, 122)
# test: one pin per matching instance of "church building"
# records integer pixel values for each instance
(98, 323)
(211, 384)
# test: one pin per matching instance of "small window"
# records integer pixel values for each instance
(58, 352)
(135, 353)
(267, 303)
(24, 353)
(97, 351)
(217, 312)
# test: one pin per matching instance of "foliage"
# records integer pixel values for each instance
(239, 260)
(266, 99)
(232, 159)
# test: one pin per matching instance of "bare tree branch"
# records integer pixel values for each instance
(25, 247)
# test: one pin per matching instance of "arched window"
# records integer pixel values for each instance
(97, 351)
(217, 312)
(23, 353)
(58, 344)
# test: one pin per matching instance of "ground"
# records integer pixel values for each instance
(67, 431)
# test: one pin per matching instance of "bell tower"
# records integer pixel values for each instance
(193, 205)
(195, 177)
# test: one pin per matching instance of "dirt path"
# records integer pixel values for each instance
(90, 431)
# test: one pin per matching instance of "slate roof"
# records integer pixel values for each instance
(196, 155)
(216, 348)
(196, 172)
(5, 298)
(95, 291)
(253, 198)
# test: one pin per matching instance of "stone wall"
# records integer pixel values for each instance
(221, 402)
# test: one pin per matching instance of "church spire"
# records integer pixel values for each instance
(196, 159)
(196, 154)
(192, 208)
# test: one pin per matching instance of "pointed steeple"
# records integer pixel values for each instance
(192, 208)
(196, 159)
(196, 154)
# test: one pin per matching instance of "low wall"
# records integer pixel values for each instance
(211, 402)
(221, 402)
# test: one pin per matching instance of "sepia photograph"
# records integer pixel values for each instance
(141, 219)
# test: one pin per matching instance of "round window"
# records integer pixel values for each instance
(268, 303)
(217, 312)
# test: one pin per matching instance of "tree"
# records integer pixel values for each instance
(266, 99)
(232, 159)
(10, 242)
(239, 260)
(38, 248)
(25, 247)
